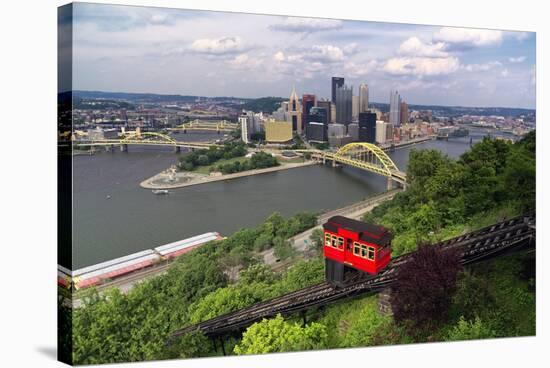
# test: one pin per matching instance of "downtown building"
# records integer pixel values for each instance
(317, 126)
(250, 123)
(344, 96)
(395, 108)
(404, 113)
(337, 82)
(363, 97)
(328, 106)
(367, 127)
(294, 112)
(384, 132)
(308, 102)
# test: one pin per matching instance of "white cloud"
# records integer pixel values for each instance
(279, 56)
(421, 66)
(519, 59)
(318, 53)
(469, 37)
(520, 36)
(414, 47)
(218, 46)
(306, 25)
(534, 75)
(351, 48)
(482, 67)
(355, 70)
(504, 73)
(243, 61)
(326, 53)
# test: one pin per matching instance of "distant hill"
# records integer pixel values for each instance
(264, 104)
(453, 111)
(270, 104)
(149, 97)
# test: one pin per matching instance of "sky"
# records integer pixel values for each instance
(189, 52)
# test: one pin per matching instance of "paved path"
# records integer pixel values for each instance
(153, 182)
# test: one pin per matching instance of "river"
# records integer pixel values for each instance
(113, 216)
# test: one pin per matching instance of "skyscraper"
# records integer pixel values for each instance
(336, 83)
(294, 112)
(319, 115)
(308, 101)
(244, 121)
(343, 104)
(354, 108)
(404, 113)
(367, 127)
(395, 107)
(363, 97)
(327, 105)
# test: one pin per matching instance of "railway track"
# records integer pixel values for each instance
(489, 242)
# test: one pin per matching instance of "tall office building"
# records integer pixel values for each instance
(318, 114)
(294, 112)
(337, 82)
(363, 97)
(384, 132)
(367, 127)
(317, 125)
(395, 108)
(354, 108)
(327, 105)
(343, 104)
(353, 132)
(404, 113)
(244, 121)
(308, 101)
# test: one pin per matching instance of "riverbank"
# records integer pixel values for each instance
(300, 242)
(166, 180)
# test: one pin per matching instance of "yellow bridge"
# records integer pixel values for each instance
(364, 156)
(141, 139)
(201, 125)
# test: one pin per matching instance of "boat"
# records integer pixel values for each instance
(160, 191)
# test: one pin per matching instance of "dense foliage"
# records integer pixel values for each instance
(114, 327)
(277, 335)
(259, 160)
(445, 197)
(263, 104)
(494, 179)
(424, 287)
(205, 157)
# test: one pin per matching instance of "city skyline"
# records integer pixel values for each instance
(175, 51)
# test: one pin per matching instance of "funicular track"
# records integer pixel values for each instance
(489, 242)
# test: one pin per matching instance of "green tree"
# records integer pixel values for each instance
(203, 160)
(278, 335)
(304, 273)
(316, 239)
(470, 330)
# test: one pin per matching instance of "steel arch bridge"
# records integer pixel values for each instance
(199, 125)
(142, 139)
(365, 156)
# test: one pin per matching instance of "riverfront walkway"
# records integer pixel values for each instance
(187, 179)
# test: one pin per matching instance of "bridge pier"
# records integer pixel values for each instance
(390, 185)
(123, 148)
(177, 149)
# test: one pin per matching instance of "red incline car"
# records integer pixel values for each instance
(354, 244)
